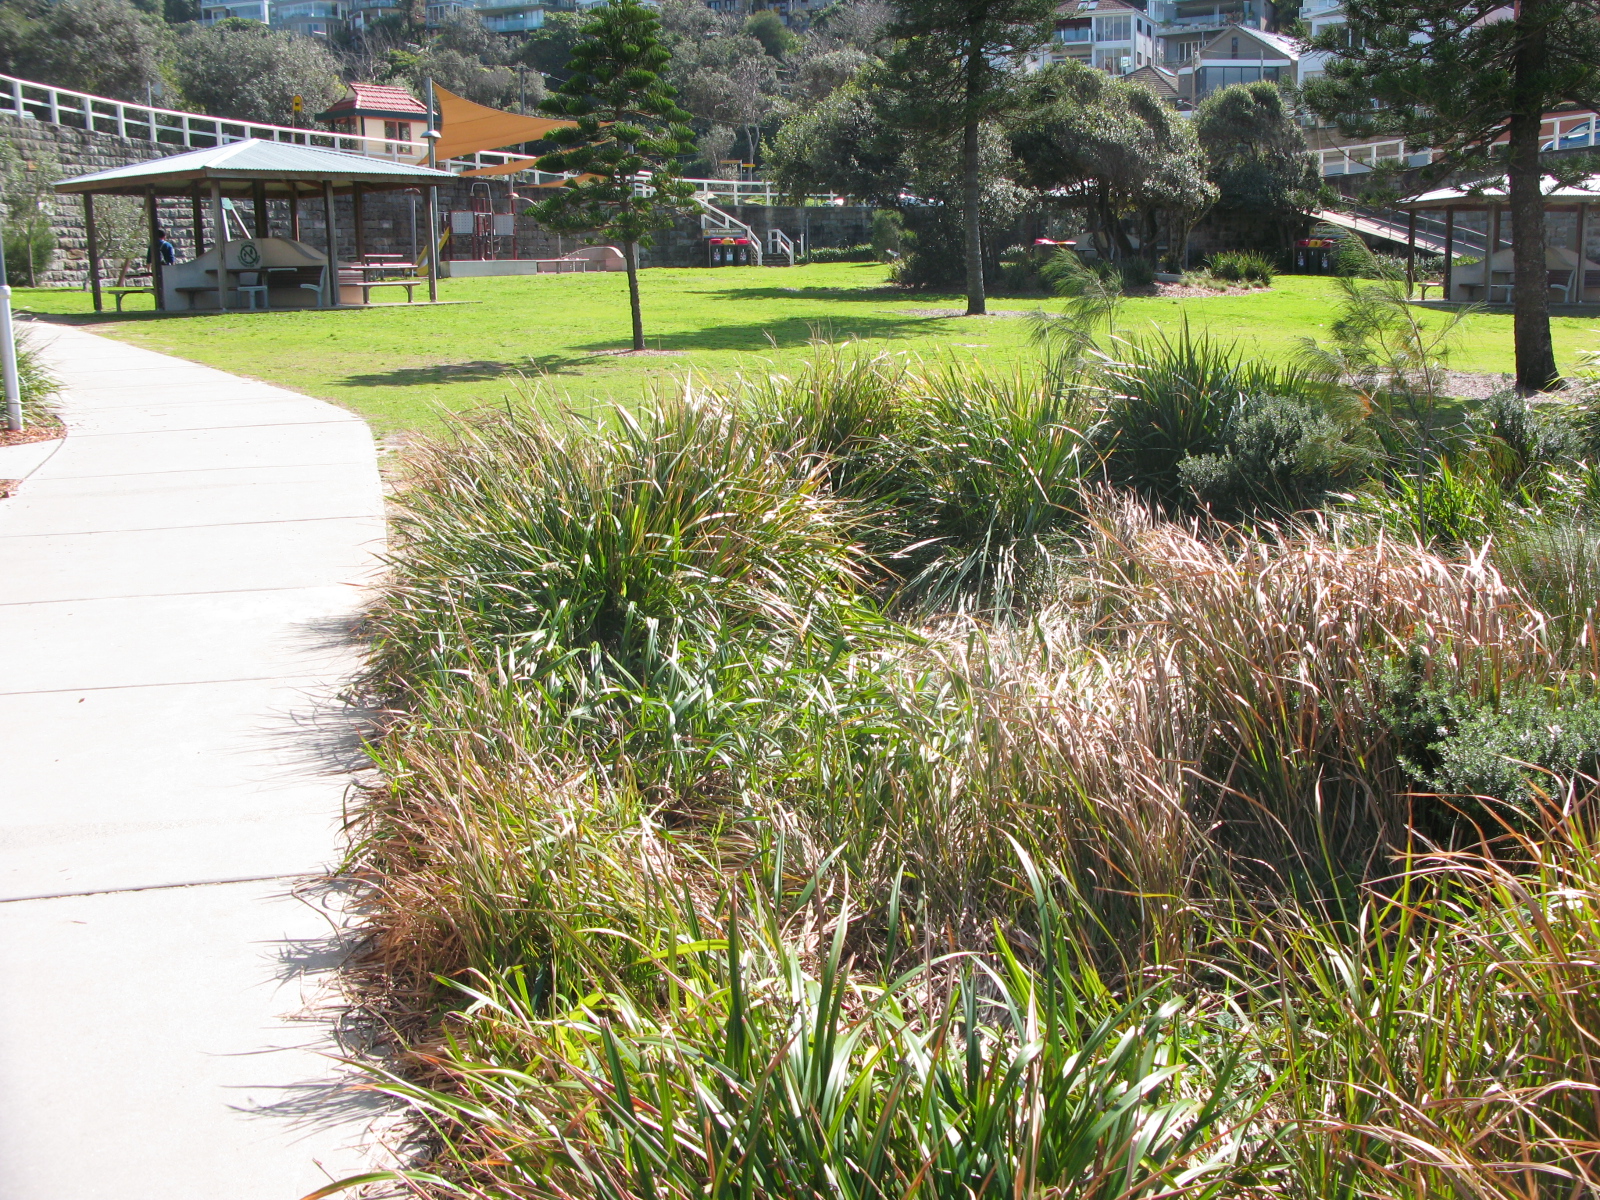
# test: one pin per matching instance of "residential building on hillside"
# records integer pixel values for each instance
(1109, 35)
(1184, 26)
(314, 18)
(1124, 36)
(246, 10)
(1239, 54)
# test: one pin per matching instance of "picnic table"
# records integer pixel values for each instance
(371, 274)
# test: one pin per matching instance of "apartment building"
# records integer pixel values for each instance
(1239, 54)
(314, 18)
(1126, 36)
(1109, 35)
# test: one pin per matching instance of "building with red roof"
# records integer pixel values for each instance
(378, 111)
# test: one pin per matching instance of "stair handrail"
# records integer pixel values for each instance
(725, 223)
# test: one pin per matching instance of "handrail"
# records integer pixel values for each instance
(28, 100)
(714, 220)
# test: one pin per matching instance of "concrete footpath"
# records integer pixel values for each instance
(177, 583)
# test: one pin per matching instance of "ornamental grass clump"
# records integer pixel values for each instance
(867, 783)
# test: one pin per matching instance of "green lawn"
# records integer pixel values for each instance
(400, 366)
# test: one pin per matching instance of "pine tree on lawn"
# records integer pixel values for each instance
(955, 67)
(1457, 76)
(626, 123)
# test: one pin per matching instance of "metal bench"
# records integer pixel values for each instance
(122, 293)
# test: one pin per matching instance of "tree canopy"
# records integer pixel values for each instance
(1257, 154)
(952, 71)
(107, 47)
(1111, 149)
(244, 70)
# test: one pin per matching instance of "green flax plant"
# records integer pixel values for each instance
(624, 582)
(746, 1067)
(1555, 563)
(1439, 1037)
(961, 477)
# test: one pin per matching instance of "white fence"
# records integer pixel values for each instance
(191, 131)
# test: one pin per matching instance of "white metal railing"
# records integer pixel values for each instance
(714, 220)
(181, 131)
(1356, 160)
(170, 127)
(27, 100)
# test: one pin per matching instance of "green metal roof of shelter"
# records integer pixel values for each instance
(277, 165)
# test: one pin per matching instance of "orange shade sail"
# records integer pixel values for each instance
(510, 167)
(469, 127)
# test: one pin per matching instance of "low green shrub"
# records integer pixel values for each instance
(1518, 746)
(1170, 399)
(841, 254)
(1137, 272)
(1275, 457)
(1243, 266)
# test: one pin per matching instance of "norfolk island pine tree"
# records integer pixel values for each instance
(953, 67)
(1456, 75)
(626, 123)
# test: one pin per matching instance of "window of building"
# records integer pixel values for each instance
(1113, 29)
(397, 131)
(1212, 78)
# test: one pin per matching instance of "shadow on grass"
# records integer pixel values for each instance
(780, 334)
(751, 338)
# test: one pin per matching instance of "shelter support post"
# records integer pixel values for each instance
(1449, 250)
(157, 276)
(294, 212)
(220, 216)
(259, 194)
(1411, 252)
(92, 248)
(358, 214)
(1493, 245)
(433, 244)
(333, 246)
(1581, 239)
(197, 214)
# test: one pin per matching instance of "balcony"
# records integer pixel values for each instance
(1075, 35)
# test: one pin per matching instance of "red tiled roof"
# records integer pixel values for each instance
(378, 98)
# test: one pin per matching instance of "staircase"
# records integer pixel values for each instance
(779, 242)
(1391, 225)
(713, 220)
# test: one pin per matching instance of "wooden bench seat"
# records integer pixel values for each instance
(408, 284)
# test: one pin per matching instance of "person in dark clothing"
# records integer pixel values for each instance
(167, 251)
